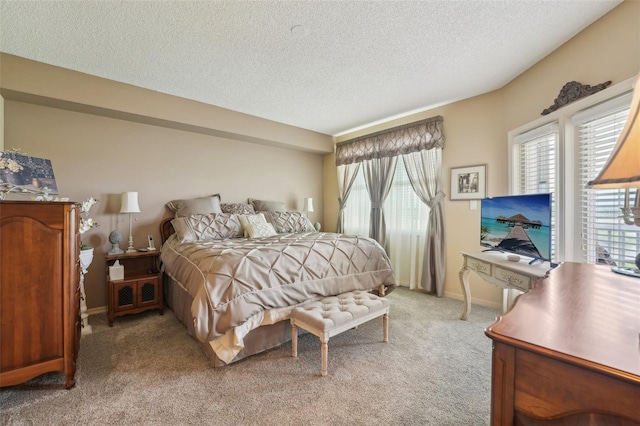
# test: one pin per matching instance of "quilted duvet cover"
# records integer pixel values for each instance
(239, 284)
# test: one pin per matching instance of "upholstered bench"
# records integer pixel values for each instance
(332, 315)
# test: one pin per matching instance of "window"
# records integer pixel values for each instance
(404, 212)
(560, 153)
(605, 237)
(535, 168)
(406, 219)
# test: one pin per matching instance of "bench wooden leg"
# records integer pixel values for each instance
(294, 341)
(324, 354)
(385, 328)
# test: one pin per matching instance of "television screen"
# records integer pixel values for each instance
(519, 224)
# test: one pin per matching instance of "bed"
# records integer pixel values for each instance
(234, 290)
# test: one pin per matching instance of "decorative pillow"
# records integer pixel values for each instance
(202, 205)
(214, 226)
(268, 206)
(289, 222)
(256, 226)
(237, 208)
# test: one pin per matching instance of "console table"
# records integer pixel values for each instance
(567, 351)
(493, 267)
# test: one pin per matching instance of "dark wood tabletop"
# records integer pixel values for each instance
(582, 314)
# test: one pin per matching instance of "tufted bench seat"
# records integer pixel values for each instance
(332, 315)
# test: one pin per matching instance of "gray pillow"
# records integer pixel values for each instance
(206, 227)
(202, 205)
(289, 222)
(267, 206)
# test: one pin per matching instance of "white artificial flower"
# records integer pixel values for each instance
(12, 165)
(87, 223)
(87, 204)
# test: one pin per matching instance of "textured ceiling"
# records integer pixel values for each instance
(359, 61)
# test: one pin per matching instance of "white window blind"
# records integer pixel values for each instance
(605, 237)
(536, 162)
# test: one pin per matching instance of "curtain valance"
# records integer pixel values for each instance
(400, 140)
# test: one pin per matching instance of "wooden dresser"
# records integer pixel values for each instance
(39, 290)
(568, 352)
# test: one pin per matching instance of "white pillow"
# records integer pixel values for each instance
(256, 226)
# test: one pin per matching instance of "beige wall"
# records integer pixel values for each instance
(159, 151)
(609, 49)
(476, 129)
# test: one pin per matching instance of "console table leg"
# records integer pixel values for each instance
(505, 299)
(464, 283)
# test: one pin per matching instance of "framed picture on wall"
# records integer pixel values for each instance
(469, 183)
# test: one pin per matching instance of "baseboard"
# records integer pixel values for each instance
(475, 301)
(458, 296)
(98, 310)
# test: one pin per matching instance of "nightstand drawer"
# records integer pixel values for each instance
(513, 279)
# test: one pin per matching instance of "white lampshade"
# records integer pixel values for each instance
(308, 204)
(622, 169)
(129, 203)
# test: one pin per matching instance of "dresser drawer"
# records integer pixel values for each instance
(479, 266)
(513, 279)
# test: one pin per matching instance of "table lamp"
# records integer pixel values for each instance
(129, 204)
(622, 169)
(308, 205)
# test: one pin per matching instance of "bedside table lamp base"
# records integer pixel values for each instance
(130, 246)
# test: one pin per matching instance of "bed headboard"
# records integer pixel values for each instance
(166, 229)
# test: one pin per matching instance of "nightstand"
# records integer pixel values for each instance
(141, 288)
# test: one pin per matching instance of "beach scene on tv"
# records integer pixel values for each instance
(517, 224)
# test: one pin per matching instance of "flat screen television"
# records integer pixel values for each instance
(519, 224)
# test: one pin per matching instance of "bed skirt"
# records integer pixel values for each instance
(258, 340)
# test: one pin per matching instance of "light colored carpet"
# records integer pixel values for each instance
(435, 370)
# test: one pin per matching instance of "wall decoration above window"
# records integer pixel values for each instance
(572, 91)
(468, 183)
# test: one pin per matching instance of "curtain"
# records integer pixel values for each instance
(406, 218)
(379, 152)
(424, 169)
(378, 175)
(346, 176)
